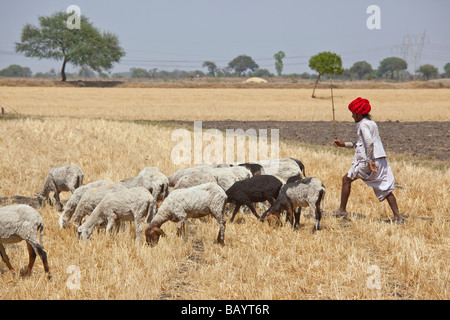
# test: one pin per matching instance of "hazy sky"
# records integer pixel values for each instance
(181, 34)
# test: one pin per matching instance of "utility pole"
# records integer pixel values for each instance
(411, 49)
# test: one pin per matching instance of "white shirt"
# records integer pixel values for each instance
(369, 145)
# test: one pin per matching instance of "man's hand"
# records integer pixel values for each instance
(339, 143)
(373, 167)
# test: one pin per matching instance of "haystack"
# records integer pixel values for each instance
(255, 80)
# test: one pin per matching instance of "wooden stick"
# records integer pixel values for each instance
(332, 104)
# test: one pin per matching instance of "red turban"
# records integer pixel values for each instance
(359, 106)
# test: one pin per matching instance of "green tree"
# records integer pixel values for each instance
(325, 63)
(279, 56)
(361, 68)
(86, 46)
(447, 70)
(242, 63)
(212, 67)
(139, 73)
(428, 71)
(392, 66)
(15, 70)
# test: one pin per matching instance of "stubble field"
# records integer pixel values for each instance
(362, 259)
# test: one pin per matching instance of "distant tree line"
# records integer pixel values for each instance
(392, 68)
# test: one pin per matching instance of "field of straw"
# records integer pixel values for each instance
(361, 259)
(221, 103)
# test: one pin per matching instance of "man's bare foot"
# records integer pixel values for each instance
(398, 220)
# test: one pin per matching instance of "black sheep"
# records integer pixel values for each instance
(256, 189)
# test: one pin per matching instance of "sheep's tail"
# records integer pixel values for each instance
(41, 234)
(323, 198)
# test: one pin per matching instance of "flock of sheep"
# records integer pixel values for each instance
(195, 192)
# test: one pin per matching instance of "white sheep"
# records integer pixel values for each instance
(301, 193)
(193, 202)
(132, 204)
(194, 179)
(283, 168)
(22, 222)
(91, 198)
(59, 179)
(173, 178)
(226, 177)
(159, 184)
(72, 204)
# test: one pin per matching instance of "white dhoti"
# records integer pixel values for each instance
(381, 182)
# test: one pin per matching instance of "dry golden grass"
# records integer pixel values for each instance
(258, 261)
(222, 104)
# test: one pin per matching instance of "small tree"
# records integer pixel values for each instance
(81, 47)
(242, 63)
(212, 67)
(392, 65)
(279, 56)
(447, 70)
(325, 63)
(428, 71)
(361, 68)
(15, 70)
(139, 73)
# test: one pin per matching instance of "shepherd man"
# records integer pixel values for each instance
(369, 163)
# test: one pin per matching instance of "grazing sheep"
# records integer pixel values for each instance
(256, 189)
(301, 193)
(72, 204)
(255, 168)
(173, 178)
(91, 198)
(21, 222)
(193, 202)
(159, 183)
(194, 179)
(283, 168)
(59, 179)
(300, 165)
(226, 177)
(132, 204)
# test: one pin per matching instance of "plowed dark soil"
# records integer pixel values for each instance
(430, 139)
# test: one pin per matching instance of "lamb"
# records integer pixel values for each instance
(193, 202)
(59, 179)
(256, 189)
(301, 193)
(283, 168)
(72, 204)
(194, 179)
(22, 222)
(126, 205)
